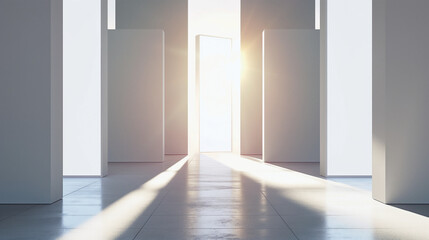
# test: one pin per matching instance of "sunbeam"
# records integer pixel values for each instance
(126, 210)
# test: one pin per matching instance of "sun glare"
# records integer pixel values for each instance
(220, 18)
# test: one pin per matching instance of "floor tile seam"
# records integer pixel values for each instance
(193, 194)
(348, 228)
(86, 205)
(89, 195)
(258, 228)
(202, 197)
(71, 215)
(67, 228)
(159, 203)
(102, 228)
(42, 229)
(9, 216)
(81, 228)
(68, 184)
(18, 213)
(269, 202)
(248, 228)
(332, 215)
(327, 227)
(78, 189)
(229, 215)
(97, 181)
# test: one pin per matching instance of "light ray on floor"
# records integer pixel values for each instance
(122, 213)
(336, 200)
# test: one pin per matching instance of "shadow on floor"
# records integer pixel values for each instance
(362, 183)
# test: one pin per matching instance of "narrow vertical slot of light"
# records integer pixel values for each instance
(317, 15)
(111, 14)
(215, 85)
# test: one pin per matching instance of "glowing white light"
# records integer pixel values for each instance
(214, 18)
(111, 14)
(215, 85)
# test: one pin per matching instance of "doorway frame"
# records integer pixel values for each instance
(198, 95)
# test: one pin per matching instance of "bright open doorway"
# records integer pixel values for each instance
(214, 82)
(208, 18)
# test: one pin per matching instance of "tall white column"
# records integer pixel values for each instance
(30, 101)
(400, 101)
(85, 87)
(345, 89)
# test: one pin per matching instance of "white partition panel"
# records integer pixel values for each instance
(30, 102)
(136, 95)
(172, 17)
(291, 96)
(257, 15)
(85, 49)
(346, 87)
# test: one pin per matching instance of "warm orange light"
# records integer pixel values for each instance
(242, 64)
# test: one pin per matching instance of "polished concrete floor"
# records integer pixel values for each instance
(215, 196)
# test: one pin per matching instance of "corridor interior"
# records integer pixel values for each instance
(215, 196)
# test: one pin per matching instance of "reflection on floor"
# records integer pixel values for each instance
(215, 196)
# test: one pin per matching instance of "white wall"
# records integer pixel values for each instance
(31, 102)
(216, 18)
(136, 95)
(346, 87)
(291, 96)
(85, 26)
(400, 98)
